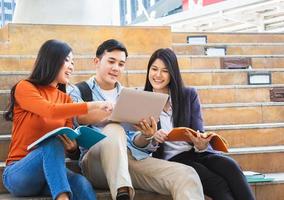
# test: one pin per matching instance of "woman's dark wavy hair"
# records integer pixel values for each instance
(176, 85)
(50, 59)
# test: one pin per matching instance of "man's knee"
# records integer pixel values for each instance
(186, 176)
(115, 133)
(113, 127)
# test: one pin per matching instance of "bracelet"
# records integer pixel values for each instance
(146, 137)
(199, 151)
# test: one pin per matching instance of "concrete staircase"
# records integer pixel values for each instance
(242, 113)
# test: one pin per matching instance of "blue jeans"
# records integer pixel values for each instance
(43, 172)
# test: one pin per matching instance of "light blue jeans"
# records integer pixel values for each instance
(43, 172)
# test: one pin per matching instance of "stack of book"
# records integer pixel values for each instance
(255, 177)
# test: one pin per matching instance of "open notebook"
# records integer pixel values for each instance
(179, 134)
(85, 136)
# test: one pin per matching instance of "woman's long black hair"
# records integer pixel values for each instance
(50, 59)
(176, 85)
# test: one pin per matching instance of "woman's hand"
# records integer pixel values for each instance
(100, 105)
(160, 136)
(99, 111)
(69, 145)
(200, 142)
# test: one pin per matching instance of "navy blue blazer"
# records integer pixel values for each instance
(194, 118)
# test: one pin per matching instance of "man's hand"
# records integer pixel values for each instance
(147, 130)
(150, 130)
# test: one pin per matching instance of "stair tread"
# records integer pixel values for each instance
(232, 151)
(215, 127)
(204, 87)
(228, 105)
(101, 194)
(148, 56)
(246, 104)
(244, 126)
(278, 177)
(138, 71)
(231, 44)
(259, 149)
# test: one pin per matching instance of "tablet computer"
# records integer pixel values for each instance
(134, 105)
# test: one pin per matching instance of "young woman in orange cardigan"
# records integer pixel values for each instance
(37, 106)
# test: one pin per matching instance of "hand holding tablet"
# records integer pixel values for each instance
(134, 105)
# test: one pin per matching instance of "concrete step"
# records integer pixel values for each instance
(138, 40)
(234, 93)
(267, 159)
(244, 155)
(136, 78)
(4, 146)
(244, 135)
(231, 48)
(223, 114)
(251, 135)
(101, 195)
(139, 62)
(181, 37)
(6, 126)
(243, 113)
(202, 77)
(270, 190)
(8, 79)
(263, 191)
(209, 94)
(4, 34)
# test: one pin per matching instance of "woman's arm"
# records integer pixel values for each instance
(100, 111)
(29, 98)
(196, 121)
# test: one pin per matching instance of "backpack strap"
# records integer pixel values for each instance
(85, 90)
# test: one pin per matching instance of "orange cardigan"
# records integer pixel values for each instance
(38, 110)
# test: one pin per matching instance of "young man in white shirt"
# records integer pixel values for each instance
(115, 162)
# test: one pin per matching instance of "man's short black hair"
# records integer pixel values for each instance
(109, 46)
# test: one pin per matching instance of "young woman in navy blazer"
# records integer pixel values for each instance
(221, 176)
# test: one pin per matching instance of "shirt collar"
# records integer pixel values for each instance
(95, 86)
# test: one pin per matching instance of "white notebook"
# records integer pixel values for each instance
(134, 105)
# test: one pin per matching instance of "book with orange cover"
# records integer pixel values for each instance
(217, 142)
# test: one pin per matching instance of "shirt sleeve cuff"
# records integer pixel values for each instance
(200, 151)
(151, 147)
